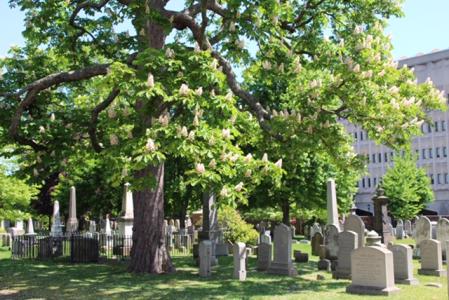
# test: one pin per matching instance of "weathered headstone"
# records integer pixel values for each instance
(221, 248)
(403, 264)
(314, 229)
(240, 261)
(300, 257)
(400, 232)
(205, 255)
(282, 262)
(423, 231)
(126, 219)
(431, 261)
(332, 209)
(56, 226)
(381, 218)
(331, 241)
(177, 224)
(372, 271)
(443, 235)
(317, 241)
(347, 242)
(355, 223)
(408, 227)
(210, 222)
(92, 227)
(265, 237)
(72, 221)
(107, 227)
(264, 256)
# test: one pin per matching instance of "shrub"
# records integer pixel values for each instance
(237, 230)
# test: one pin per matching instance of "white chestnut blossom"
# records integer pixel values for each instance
(199, 91)
(184, 90)
(248, 173)
(52, 117)
(169, 53)
(199, 168)
(266, 65)
(229, 96)
(248, 158)
(265, 157)
(35, 172)
(41, 129)
(232, 26)
(356, 68)
(239, 187)
(164, 119)
(191, 135)
(112, 113)
(196, 121)
(150, 81)
(214, 64)
(184, 132)
(224, 192)
(113, 140)
(381, 73)
(278, 163)
(150, 146)
(212, 164)
(226, 133)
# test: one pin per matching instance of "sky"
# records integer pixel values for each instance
(422, 29)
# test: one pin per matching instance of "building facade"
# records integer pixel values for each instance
(431, 147)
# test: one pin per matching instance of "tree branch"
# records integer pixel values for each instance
(80, 6)
(94, 118)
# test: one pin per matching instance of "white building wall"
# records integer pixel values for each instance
(432, 146)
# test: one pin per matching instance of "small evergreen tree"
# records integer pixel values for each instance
(407, 186)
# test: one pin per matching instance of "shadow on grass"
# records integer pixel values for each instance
(26, 279)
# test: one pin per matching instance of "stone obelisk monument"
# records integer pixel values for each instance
(332, 209)
(72, 222)
(56, 226)
(126, 220)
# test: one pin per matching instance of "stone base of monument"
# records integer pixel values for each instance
(341, 274)
(411, 281)
(369, 290)
(333, 265)
(439, 273)
(325, 265)
(282, 269)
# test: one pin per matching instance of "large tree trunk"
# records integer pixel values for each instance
(43, 204)
(148, 253)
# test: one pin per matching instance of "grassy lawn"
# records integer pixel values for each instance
(57, 280)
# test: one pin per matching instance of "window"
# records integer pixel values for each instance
(436, 126)
(422, 128)
(446, 178)
(437, 152)
(443, 125)
(368, 207)
(375, 181)
(391, 154)
(367, 158)
(355, 135)
(363, 182)
(444, 152)
(385, 156)
(432, 181)
(429, 128)
(430, 153)
(417, 153)
(361, 135)
(423, 153)
(374, 158)
(438, 178)
(369, 182)
(379, 157)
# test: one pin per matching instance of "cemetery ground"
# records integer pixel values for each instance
(25, 279)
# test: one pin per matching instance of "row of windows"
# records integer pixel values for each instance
(368, 182)
(438, 126)
(427, 153)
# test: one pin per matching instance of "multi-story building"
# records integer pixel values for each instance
(431, 147)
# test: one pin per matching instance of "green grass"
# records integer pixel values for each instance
(57, 280)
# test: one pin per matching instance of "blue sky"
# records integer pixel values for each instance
(423, 29)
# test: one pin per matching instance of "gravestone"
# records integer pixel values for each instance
(347, 242)
(355, 223)
(72, 221)
(205, 255)
(443, 235)
(423, 231)
(177, 224)
(381, 218)
(408, 227)
(30, 228)
(331, 241)
(221, 248)
(332, 209)
(210, 222)
(403, 264)
(84, 249)
(240, 261)
(372, 272)
(265, 237)
(264, 256)
(300, 257)
(317, 241)
(400, 232)
(314, 229)
(282, 262)
(92, 227)
(56, 226)
(431, 261)
(126, 219)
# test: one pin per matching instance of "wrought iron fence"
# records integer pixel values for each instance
(88, 247)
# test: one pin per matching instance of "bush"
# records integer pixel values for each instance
(236, 229)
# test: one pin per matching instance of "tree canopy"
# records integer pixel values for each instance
(136, 83)
(408, 187)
